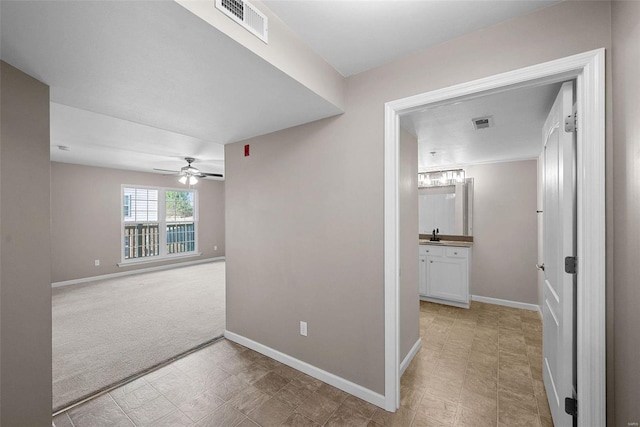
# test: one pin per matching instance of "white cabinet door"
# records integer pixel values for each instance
(422, 275)
(447, 278)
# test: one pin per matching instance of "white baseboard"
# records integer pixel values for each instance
(506, 303)
(444, 301)
(137, 271)
(412, 353)
(327, 377)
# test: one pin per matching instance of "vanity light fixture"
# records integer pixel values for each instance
(440, 178)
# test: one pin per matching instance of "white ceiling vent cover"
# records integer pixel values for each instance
(245, 14)
(482, 122)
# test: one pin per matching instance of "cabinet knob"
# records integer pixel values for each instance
(431, 262)
(422, 260)
(455, 253)
(427, 250)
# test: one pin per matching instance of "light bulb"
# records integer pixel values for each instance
(193, 180)
(183, 179)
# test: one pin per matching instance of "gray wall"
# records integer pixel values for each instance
(625, 346)
(25, 254)
(86, 215)
(505, 237)
(305, 211)
(408, 199)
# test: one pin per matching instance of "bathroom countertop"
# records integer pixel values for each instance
(446, 243)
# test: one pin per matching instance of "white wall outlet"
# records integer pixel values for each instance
(97, 263)
(303, 328)
(215, 248)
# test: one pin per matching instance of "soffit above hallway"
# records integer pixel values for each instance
(356, 35)
(155, 65)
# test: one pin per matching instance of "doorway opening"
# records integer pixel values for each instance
(588, 71)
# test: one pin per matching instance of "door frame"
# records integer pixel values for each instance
(588, 69)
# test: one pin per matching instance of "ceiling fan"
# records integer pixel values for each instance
(190, 173)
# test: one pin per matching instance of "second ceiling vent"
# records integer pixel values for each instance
(247, 15)
(482, 122)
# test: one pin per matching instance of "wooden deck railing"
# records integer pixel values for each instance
(181, 237)
(143, 240)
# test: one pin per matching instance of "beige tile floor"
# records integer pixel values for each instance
(477, 367)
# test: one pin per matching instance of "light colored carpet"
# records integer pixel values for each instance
(108, 330)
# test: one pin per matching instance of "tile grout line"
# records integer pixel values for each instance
(123, 411)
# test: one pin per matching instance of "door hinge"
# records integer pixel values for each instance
(571, 265)
(571, 406)
(570, 123)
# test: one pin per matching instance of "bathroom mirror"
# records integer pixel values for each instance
(448, 208)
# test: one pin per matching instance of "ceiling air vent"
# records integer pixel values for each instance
(482, 122)
(245, 14)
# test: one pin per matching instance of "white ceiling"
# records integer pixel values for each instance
(141, 85)
(152, 63)
(357, 35)
(518, 116)
(100, 140)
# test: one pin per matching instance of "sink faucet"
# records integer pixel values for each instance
(434, 237)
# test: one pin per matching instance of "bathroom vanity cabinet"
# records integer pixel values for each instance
(444, 273)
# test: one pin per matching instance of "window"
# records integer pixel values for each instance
(126, 209)
(179, 214)
(158, 223)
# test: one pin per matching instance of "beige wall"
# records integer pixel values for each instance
(408, 199)
(505, 238)
(85, 218)
(305, 211)
(25, 254)
(626, 211)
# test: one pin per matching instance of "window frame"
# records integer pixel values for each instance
(162, 226)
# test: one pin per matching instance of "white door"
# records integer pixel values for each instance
(559, 242)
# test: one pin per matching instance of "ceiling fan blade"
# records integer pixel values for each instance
(219, 175)
(165, 170)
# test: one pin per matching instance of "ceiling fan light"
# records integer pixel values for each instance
(183, 179)
(193, 180)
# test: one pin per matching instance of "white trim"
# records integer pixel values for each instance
(591, 296)
(159, 258)
(589, 71)
(392, 262)
(327, 377)
(444, 301)
(137, 271)
(506, 303)
(486, 162)
(409, 357)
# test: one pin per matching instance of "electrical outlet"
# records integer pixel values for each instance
(215, 248)
(303, 328)
(97, 263)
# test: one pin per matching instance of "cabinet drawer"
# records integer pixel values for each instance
(454, 252)
(431, 250)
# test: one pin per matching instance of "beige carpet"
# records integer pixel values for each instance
(108, 330)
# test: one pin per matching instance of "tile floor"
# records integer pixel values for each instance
(477, 367)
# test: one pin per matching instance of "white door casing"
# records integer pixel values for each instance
(588, 69)
(559, 242)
